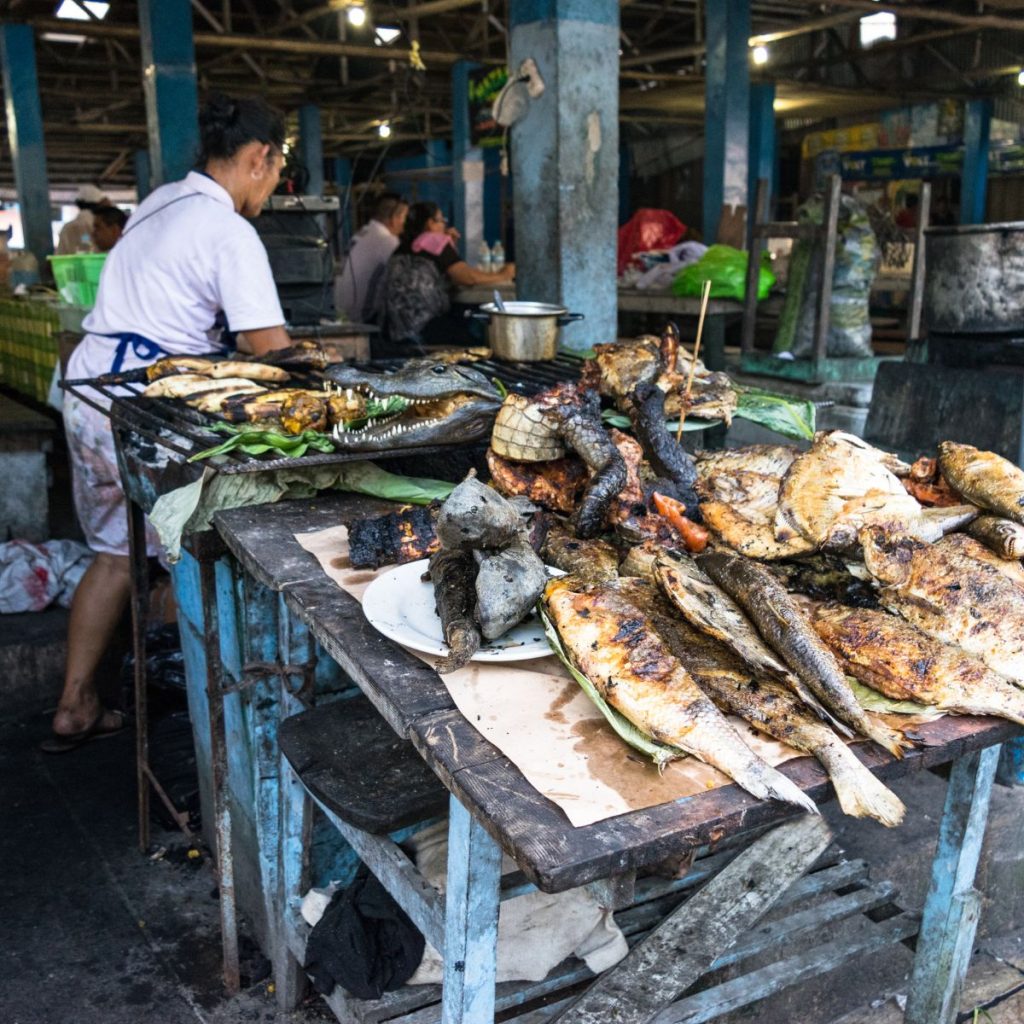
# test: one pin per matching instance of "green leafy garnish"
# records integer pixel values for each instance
(617, 419)
(872, 700)
(500, 385)
(659, 753)
(375, 409)
(786, 415)
(254, 441)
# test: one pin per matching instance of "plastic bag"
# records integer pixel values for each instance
(726, 269)
(33, 576)
(648, 229)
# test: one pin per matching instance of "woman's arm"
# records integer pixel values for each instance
(466, 276)
(263, 340)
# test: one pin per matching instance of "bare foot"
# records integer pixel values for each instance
(69, 721)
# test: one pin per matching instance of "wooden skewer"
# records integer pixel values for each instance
(705, 295)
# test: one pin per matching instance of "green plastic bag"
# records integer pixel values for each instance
(726, 269)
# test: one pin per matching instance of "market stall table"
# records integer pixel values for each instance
(493, 806)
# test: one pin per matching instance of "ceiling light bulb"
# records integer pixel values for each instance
(384, 130)
(72, 11)
(1020, 78)
(387, 34)
(96, 9)
(760, 54)
(357, 15)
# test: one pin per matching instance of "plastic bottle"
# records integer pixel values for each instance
(484, 257)
(497, 257)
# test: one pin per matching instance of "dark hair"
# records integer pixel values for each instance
(112, 216)
(388, 204)
(226, 125)
(420, 215)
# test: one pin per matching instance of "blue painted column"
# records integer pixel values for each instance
(565, 161)
(974, 180)
(143, 173)
(465, 178)
(762, 144)
(726, 110)
(343, 181)
(311, 148)
(25, 132)
(169, 82)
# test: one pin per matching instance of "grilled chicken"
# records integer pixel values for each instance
(767, 705)
(952, 595)
(985, 478)
(897, 659)
(610, 642)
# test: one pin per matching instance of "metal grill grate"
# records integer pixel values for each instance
(186, 431)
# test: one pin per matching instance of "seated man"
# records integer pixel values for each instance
(107, 227)
(357, 290)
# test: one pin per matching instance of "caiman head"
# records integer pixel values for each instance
(446, 404)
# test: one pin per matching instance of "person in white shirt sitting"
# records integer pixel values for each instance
(76, 235)
(357, 291)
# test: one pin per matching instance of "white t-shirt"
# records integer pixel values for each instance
(74, 235)
(356, 291)
(185, 257)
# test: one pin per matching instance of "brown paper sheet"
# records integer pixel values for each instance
(535, 713)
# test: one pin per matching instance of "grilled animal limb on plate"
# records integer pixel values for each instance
(453, 574)
(955, 591)
(897, 659)
(549, 425)
(767, 705)
(786, 629)
(985, 478)
(508, 584)
(611, 643)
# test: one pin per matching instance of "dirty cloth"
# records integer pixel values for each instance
(33, 576)
(536, 931)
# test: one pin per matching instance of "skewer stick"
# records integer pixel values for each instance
(705, 295)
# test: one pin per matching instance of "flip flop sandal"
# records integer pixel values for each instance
(64, 744)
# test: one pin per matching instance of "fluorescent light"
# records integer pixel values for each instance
(62, 37)
(72, 11)
(387, 34)
(760, 54)
(384, 130)
(96, 9)
(1020, 78)
(876, 28)
(357, 15)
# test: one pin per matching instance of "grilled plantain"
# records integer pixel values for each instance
(215, 368)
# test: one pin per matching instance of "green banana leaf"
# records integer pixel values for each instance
(659, 753)
(872, 700)
(618, 419)
(369, 478)
(255, 441)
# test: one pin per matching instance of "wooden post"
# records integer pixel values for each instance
(917, 274)
(471, 920)
(953, 905)
(753, 267)
(830, 226)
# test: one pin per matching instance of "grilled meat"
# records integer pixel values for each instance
(951, 596)
(712, 397)
(293, 410)
(405, 535)
(213, 400)
(215, 368)
(767, 705)
(556, 485)
(897, 659)
(453, 574)
(624, 365)
(477, 516)
(985, 478)
(1003, 536)
(508, 584)
(610, 642)
(785, 628)
(591, 560)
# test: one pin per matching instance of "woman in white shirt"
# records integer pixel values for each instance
(188, 269)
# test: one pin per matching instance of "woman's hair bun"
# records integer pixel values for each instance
(226, 124)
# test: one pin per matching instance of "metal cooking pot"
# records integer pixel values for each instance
(974, 278)
(525, 332)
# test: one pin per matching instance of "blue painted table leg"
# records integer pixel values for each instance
(953, 905)
(471, 920)
(1011, 764)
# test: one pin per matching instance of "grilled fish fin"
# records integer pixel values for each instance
(892, 739)
(860, 794)
(778, 787)
(801, 690)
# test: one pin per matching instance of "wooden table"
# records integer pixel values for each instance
(493, 807)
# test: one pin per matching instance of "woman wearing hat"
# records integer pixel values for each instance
(188, 272)
(76, 235)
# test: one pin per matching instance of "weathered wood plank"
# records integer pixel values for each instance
(953, 905)
(471, 921)
(685, 945)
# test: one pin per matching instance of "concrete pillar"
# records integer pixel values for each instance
(311, 148)
(143, 174)
(343, 181)
(762, 144)
(974, 179)
(565, 161)
(25, 133)
(467, 176)
(726, 110)
(169, 82)
(625, 166)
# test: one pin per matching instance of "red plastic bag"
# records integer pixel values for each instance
(648, 229)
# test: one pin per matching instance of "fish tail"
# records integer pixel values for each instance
(778, 787)
(892, 739)
(860, 794)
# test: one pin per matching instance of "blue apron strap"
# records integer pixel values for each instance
(144, 349)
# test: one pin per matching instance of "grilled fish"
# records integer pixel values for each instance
(786, 629)
(610, 642)
(768, 459)
(215, 368)
(841, 484)
(453, 574)
(1003, 536)
(767, 705)
(951, 596)
(968, 547)
(508, 583)
(985, 478)
(897, 659)
(715, 613)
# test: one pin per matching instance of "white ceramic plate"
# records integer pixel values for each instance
(399, 604)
